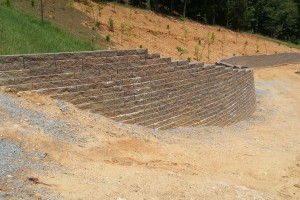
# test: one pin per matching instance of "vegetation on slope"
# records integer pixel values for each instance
(21, 33)
(129, 27)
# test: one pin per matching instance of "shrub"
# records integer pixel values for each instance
(7, 3)
(32, 3)
(108, 38)
(97, 24)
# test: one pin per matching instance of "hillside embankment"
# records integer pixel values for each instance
(133, 28)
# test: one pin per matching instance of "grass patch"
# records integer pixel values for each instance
(279, 42)
(22, 34)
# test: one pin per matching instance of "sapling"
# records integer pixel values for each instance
(257, 48)
(210, 41)
(245, 46)
(197, 53)
(111, 24)
(181, 51)
(222, 45)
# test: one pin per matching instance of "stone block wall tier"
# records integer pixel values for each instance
(135, 86)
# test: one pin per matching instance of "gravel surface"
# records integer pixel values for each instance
(264, 60)
(58, 129)
(9, 154)
(14, 163)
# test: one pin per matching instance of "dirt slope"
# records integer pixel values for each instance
(85, 156)
(161, 34)
(164, 34)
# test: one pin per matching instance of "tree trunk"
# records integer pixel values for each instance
(214, 12)
(42, 11)
(184, 8)
(149, 4)
(227, 15)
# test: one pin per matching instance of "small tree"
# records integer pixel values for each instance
(210, 40)
(185, 32)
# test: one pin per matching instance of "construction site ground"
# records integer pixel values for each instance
(51, 150)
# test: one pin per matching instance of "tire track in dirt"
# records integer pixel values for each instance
(291, 190)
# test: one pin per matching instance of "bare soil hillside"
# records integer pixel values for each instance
(166, 34)
(51, 150)
(134, 27)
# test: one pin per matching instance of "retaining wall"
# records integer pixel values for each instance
(134, 86)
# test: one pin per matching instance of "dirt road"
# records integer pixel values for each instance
(86, 156)
(264, 60)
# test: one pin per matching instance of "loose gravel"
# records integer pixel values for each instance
(58, 129)
(14, 162)
(9, 154)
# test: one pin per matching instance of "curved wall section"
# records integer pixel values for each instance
(133, 86)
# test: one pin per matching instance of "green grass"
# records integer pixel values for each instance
(279, 42)
(21, 34)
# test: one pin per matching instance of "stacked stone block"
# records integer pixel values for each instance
(134, 86)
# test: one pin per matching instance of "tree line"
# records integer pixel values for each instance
(275, 18)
